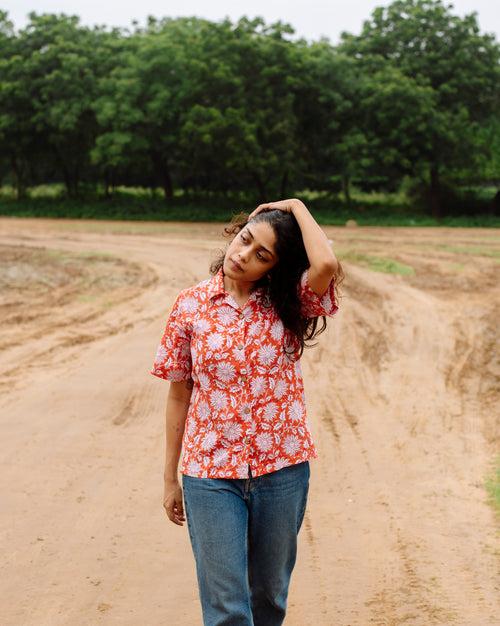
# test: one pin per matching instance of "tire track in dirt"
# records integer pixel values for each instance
(137, 404)
(321, 596)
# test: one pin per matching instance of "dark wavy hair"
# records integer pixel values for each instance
(282, 280)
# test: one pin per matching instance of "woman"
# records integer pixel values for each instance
(236, 406)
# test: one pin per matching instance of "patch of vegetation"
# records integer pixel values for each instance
(137, 207)
(88, 255)
(475, 250)
(492, 486)
(376, 263)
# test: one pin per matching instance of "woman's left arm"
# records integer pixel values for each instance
(319, 252)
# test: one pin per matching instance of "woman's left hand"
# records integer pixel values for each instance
(283, 205)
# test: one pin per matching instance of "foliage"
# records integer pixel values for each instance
(446, 55)
(238, 110)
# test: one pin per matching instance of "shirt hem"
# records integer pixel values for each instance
(255, 471)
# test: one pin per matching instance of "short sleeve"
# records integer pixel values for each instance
(173, 356)
(314, 305)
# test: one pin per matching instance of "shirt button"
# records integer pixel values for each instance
(246, 410)
(243, 371)
(246, 440)
(240, 347)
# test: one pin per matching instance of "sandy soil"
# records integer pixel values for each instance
(401, 393)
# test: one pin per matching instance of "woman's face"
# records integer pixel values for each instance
(253, 249)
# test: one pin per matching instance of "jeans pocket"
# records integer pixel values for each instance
(308, 467)
(186, 511)
(300, 518)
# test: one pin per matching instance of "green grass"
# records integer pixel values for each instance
(492, 486)
(376, 263)
(475, 250)
(97, 255)
(133, 204)
(85, 297)
(156, 210)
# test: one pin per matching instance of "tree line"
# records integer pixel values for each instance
(194, 105)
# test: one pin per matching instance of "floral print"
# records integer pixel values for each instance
(247, 406)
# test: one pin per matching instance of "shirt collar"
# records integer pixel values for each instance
(215, 285)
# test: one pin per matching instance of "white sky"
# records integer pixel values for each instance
(310, 18)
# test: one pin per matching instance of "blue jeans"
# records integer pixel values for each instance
(243, 533)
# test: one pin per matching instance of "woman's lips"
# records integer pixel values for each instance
(238, 267)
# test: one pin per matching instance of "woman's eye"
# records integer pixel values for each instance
(260, 256)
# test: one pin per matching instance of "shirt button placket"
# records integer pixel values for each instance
(243, 378)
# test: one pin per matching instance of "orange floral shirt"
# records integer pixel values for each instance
(247, 406)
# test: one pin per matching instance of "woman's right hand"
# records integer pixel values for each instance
(172, 501)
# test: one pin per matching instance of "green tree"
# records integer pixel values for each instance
(60, 61)
(447, 53)
(330, 139)
(142, 101)
(238, 125)
(397, 116)
(488, 170)
(19, 140)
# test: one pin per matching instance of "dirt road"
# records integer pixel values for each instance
(401, 394)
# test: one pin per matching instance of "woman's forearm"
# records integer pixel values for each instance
(316, 242)
(175, 420)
